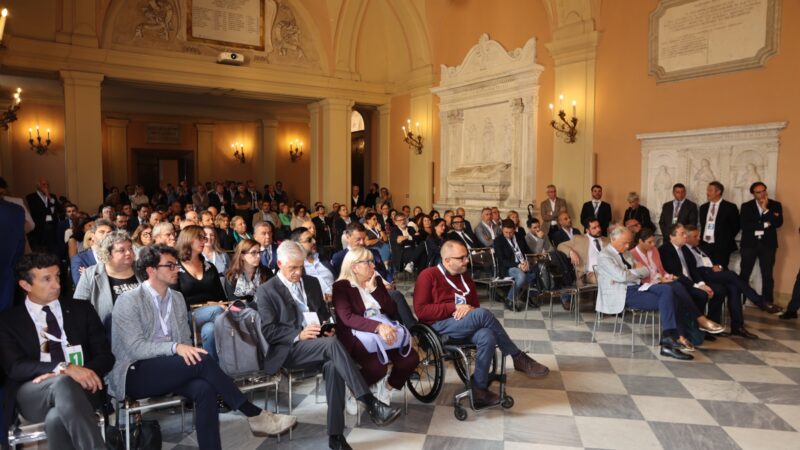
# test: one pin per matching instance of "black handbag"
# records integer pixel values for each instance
(146, 434)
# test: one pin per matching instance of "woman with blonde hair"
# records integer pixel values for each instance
(363, 305)
(239, 226)
(224, 233)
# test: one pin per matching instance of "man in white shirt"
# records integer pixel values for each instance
(312, 264)
(583, 251)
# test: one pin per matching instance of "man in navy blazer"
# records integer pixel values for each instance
(761, 218)
(262, 233)
(86, 258)
(719, 225)
(596, 208)
(511, 262)
(677, 260)
(45, 375)
(12, 246)
(564, 231)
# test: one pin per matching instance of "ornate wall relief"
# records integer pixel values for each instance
(487, 109)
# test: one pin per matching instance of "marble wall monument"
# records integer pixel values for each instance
(488, 117)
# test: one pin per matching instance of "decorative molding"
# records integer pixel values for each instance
(488, 60)
(702, 30)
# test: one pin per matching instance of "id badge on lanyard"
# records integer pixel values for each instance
(75, 355)
(461, 300)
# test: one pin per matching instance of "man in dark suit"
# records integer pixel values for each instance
(407, 249)
(680, 210)
(761, 218)
(596, 208)
(45, 209)
(70, 216)
(87, 258)
(461, 234)
(295, 342)
(467, 226)
(49, 380)
(511, 262)
(564, 231)
(141, 217)
(262, 234)
(221, 199)
(677, 260)
(719, 225)
(356, 199)
(12, 246)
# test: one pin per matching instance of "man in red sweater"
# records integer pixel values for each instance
(446, 299)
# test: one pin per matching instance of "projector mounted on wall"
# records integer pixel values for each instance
(233, 59)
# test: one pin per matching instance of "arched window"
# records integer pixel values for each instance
(356, 122)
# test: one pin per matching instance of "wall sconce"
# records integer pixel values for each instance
(295, 150)
(10, 114)
(564, 129)
(37, 145)
(238, 151)
(413, 140)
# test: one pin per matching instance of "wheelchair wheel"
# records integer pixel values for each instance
(507, 402)
(461, 368)
(426, 382)
(460, 413)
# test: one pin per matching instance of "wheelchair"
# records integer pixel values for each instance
(434, 351)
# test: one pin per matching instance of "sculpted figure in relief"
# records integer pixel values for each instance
(748, 176)
(159, 16)
(701, 178)
(662, 188)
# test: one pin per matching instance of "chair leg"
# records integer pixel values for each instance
(290, 393)
(594, 328)
(551, 310)
(633, 329)
(527, 302)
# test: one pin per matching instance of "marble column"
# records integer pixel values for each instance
(384, 139)
(335, 144)
(264, 159)
(117, 135)
(313, 153)
(205, 151)
(83, 138)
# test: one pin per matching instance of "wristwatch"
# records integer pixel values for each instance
(60, 368)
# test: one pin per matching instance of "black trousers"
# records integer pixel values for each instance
(794, 303)
(766, 262)
(733, 287)
(200, 383)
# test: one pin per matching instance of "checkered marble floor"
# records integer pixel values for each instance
(735, 394)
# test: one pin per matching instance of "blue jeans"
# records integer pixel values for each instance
(481, 328)
(658, 298)
(520, 280)
(384, 250)
(204, 318)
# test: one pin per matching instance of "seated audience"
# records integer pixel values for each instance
(361, 300)
(263, 234)
(461, 233)
(445, 298)
(80, 229)
(425, 226)
(536, 239)
(300, 216)
(313, 266)
(384, 217)
(294, 342)
(638, 212)
(486, 231)
(88, 257)
(199, 283)
(583, 251)
(563, 231)
(377, 239)
(512, 263)
(433, 244)
(111, 277)
(407, 249)
(239, 227)
(246, 273)
(633, 225)
(152, 341)
(322, 230)
(385, 197)
(142, 237)
(164, 234)
(519, 231)
(41, 382)
(213, 253)
(341, 222)
(224, 232)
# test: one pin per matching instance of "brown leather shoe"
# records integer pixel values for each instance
(525, 363)
(484, 398)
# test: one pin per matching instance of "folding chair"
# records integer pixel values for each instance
(483, 268)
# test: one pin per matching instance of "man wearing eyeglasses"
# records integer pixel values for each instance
(313, 266)
(761, 218)
(461, 233)
(269, 250)
(151, 339)
(445, 298)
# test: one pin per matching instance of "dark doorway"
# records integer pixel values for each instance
(172, 165)
(360, 146)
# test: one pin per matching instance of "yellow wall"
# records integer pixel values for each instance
(29, 166)
(630, 102)
(294, 175)
(399, 153)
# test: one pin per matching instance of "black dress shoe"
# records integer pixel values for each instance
(338, 442)
(788, 315)
(382, 414)
(483, 398)
(675, 353)
(744, 333)
(669, 342)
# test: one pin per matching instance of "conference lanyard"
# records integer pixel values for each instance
(163, 320)
(453, 285)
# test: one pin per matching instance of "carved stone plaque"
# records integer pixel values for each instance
(235, 23)
(163, 133)
(696, 38)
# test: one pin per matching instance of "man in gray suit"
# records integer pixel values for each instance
(486, 230)
(619, 279)
(550, 208)
(286, 304)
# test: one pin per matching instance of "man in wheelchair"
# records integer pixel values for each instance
(445, 298)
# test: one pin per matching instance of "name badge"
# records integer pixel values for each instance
(372, 312)
(674, 220)
(707, 262)
(461, 300)
(75, 355)
(710, 226)
(48, 218)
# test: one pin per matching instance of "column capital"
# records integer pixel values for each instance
(88, 79)
(114, 122)
(336, 103)
(267, 123)
(385, 109)
(574, 48)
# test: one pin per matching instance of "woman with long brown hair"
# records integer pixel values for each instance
(246, 273)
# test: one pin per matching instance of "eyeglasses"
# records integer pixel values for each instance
(367, 261)
(460, 258)
(170, 265)
(253, 253)
(309, 240)
(146, 234)
(759, 192)
(202, 238)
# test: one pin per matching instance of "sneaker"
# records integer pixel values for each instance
(381, 392)
(270, 424)
(350, 403)
(409, 267)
